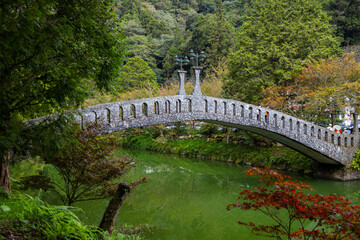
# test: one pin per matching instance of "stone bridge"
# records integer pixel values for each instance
(312, 140)
(316, 142)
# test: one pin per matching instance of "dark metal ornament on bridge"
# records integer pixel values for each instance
(181, 73)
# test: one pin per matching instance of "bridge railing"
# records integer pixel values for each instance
(255, 115)
(281, 121)
(140, 108)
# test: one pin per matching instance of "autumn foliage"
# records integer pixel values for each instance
(322, 87)
(309, 216)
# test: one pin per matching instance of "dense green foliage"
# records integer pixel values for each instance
(275, 41)
(322, 88)
(137, 74)
(52, 53)
(356, 160)
(33, 219)
(25, 217)
(156, 31)
(214, 34)
(345, 16)
(49, 51)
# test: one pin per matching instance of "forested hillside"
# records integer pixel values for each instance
(157, 30)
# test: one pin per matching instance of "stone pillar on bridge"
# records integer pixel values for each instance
(197, 88)
(356, 128)
(182, 82)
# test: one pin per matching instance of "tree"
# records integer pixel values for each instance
(137, 74)
(179, 47)
(214, 35)
(52, 51)
(87, 167)
(345, 16)
(206, 6)
(134, 9)
(88, 170)
(275, 41)
(236, 11)
(322, 88)
(318, 216)
(202, 30)
(221, 39)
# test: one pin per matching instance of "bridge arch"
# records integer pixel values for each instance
(305, 137)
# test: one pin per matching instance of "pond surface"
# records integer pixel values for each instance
(187, 198)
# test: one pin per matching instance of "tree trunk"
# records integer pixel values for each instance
(112, 210)
(333, 115)
(161, 126)
(5, 171)
(228, 135)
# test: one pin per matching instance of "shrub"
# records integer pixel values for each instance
(294, 213)
(31, 218)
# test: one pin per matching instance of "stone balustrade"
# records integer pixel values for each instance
(308, 138)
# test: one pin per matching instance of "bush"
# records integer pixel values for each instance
(208, 129)
(294, 213)
(31, 218)
(26, 217)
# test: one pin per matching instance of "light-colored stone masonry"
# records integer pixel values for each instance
(305, 137)
(310, 139)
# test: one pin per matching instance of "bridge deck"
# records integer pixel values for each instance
(308, 138)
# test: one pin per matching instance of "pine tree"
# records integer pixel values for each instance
(137, 74)
(222, 38)
(345, 16)
(215, 35)
(275, 41)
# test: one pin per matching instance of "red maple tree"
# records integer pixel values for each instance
(309, 216)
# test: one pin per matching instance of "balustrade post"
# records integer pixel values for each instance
(182, 82)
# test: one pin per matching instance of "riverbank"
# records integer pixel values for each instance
(215, 147)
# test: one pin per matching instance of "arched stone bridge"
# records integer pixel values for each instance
(307, 138)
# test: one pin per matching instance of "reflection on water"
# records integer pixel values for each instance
(187, 198)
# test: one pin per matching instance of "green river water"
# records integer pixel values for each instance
(187, 198)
